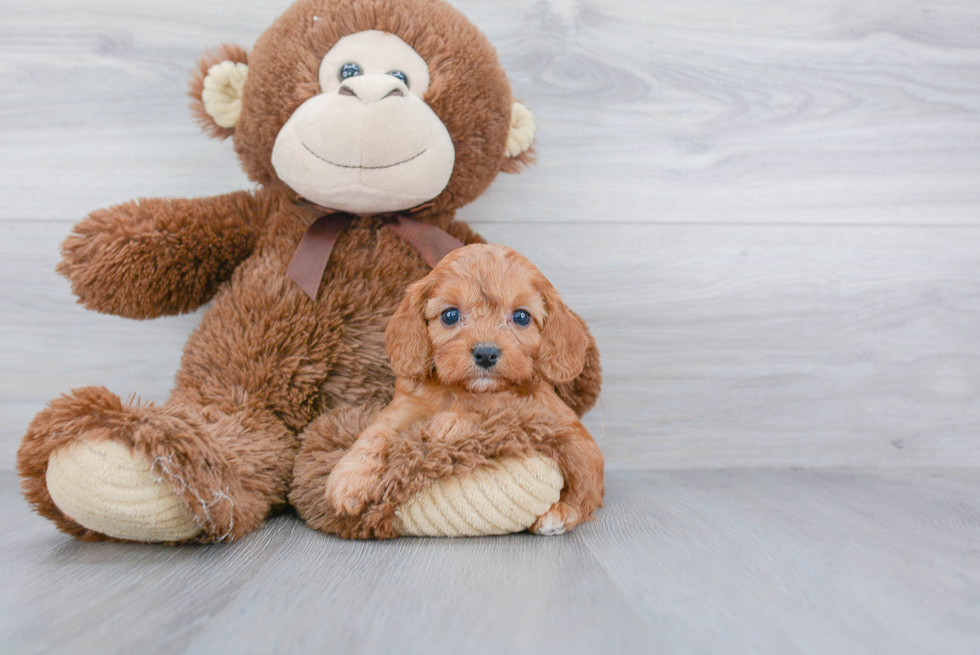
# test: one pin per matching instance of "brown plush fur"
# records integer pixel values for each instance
(157, 256)
(269, 372)
(441, 386)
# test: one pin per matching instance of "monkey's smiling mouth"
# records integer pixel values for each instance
(399, 163)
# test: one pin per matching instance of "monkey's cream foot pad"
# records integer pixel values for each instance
(503, 496)
(105, 487)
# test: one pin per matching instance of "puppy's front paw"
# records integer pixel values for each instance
(350, 488)
(557, 520)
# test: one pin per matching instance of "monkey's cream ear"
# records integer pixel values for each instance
(518, 151)
(522, 129)
(222, 93)
(217, 89)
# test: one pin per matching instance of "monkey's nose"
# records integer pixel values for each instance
(372, 88)
(485, 355)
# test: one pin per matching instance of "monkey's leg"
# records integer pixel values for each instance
(435, 484)
(178, 472)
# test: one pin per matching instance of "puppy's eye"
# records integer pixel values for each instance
(400, 75)
(450, 316)
(522, 318)
(350, 69)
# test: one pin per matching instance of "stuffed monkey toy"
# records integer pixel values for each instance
(365, 124)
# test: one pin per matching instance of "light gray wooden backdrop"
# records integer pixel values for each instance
(768, 212)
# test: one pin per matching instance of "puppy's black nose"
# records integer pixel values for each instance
(485, 354)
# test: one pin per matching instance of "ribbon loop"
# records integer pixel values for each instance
(310, 260)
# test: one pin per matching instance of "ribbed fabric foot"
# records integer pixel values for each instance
(104, 486)
(506, 495)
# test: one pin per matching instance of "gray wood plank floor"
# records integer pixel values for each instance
(678, 562)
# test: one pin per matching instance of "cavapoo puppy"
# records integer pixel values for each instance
(485, 331)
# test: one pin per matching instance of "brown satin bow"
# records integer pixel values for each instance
(313, 253)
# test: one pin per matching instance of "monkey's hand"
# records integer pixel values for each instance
(154, 257)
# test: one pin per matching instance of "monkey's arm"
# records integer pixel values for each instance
(157, 256)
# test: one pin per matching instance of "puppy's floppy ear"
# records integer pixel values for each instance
(407, 335)
(564, 341)
(216, 89)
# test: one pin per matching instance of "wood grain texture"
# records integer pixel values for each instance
(722, 345)
(708, 111)
(677, 562)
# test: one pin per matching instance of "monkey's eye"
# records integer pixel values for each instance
(522, 318)
(350, 69)
(450, 316)
(400, 75)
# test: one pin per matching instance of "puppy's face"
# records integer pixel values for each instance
(485, 319)
(484, 323)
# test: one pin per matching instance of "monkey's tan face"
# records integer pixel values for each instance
(367, 143)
